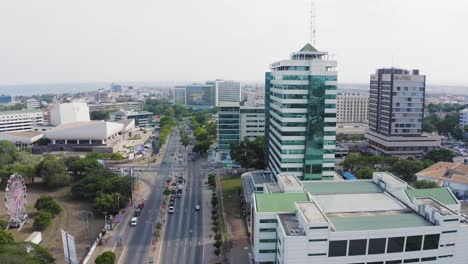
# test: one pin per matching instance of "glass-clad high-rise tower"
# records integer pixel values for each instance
(301, 115)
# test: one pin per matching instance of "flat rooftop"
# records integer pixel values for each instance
(291, 181)
(341, 187)
(260, 177)
(357, 202)
(312, 213)
(442, 195)
(278, 202)
(291, 225)
(378, 221)
(440, 208)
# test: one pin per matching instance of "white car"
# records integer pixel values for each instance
(133, 221)
(197, 207)
(171, 209)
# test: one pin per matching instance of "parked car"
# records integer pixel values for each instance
(137, 212)
(171, 209)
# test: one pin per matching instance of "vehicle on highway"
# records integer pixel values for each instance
(171, 203)
(133, 221)
(171, 209)
(137, 212)
(179, 193)
(173, 191)
(174, 184)
(163, 162)
(197, 207)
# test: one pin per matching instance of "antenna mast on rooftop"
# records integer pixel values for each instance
(312, 22)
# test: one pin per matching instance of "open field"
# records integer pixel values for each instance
(69, 220)
(237, 230)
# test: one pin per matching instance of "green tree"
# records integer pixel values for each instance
(8, 152)
(425, 184)
(53, 171)
(202, 147)
(352, 161)
(107, 203)
(407, 168)
(6, 238)
(363, 173)
(48, 204)
(101, 114)
(108, 257)
(441, 154)
(42, 221)
(169, 112)
(81, 166)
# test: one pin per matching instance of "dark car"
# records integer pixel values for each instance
(174, 184)
(171, 203)
(138, 211)
(173, 191)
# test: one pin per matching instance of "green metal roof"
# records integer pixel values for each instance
(442, 195)
(376, 222)
(309, 48)
(278, 202)
(24, 111)
(341, 187)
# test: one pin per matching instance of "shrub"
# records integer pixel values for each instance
(217, 236)
(215, 229)
(48, 204)
(217, 243)
(6, 238)
(107, 257)
(217, 252)
(42, 221)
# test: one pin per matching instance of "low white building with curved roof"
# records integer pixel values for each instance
(91, 132)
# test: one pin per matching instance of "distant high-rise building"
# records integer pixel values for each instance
(198, 96)
(5, 99)
(464, 118)
(352, 108)
(32, 103)
(227, 91)
(396, 113)
(301, 114)
(180, 95)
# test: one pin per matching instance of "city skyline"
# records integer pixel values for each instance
(144, 41)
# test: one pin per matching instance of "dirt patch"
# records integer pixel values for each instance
(232, 208)
(69, 220)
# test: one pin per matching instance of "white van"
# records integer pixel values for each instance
(133, 221)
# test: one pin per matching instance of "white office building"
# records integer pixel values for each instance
(300, 105)
(378, 221)
(32, 103)
(352, 108)
(252, 122)
(20, 120)
(179, 95)
(464, 118)
(227, 91)
(69, 113)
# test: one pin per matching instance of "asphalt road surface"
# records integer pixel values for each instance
(183, 237)
(138, 239)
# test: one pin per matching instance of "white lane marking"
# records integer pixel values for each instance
(123, 254)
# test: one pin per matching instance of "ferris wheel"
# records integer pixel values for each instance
(15, 200)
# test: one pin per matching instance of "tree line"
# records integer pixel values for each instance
(362, 166)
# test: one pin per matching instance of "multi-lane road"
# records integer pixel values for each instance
(138, 239)
(183, 237)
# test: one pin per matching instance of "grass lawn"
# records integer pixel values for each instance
(231, 190)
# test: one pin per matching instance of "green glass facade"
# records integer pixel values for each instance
(228, 128)
(316, 123)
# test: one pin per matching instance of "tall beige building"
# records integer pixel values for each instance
(352, 108)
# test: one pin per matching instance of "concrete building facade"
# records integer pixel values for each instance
(143, 119)
(127, 106)
(252, 122)
(382, 220)
(180, 95)
(396, 113)
(352, 108)
(228, 128)
(301, 114)
(227, 91)
(68, 113)
(464, 118)
(20, 120)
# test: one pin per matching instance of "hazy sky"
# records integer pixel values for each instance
(164, 40)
